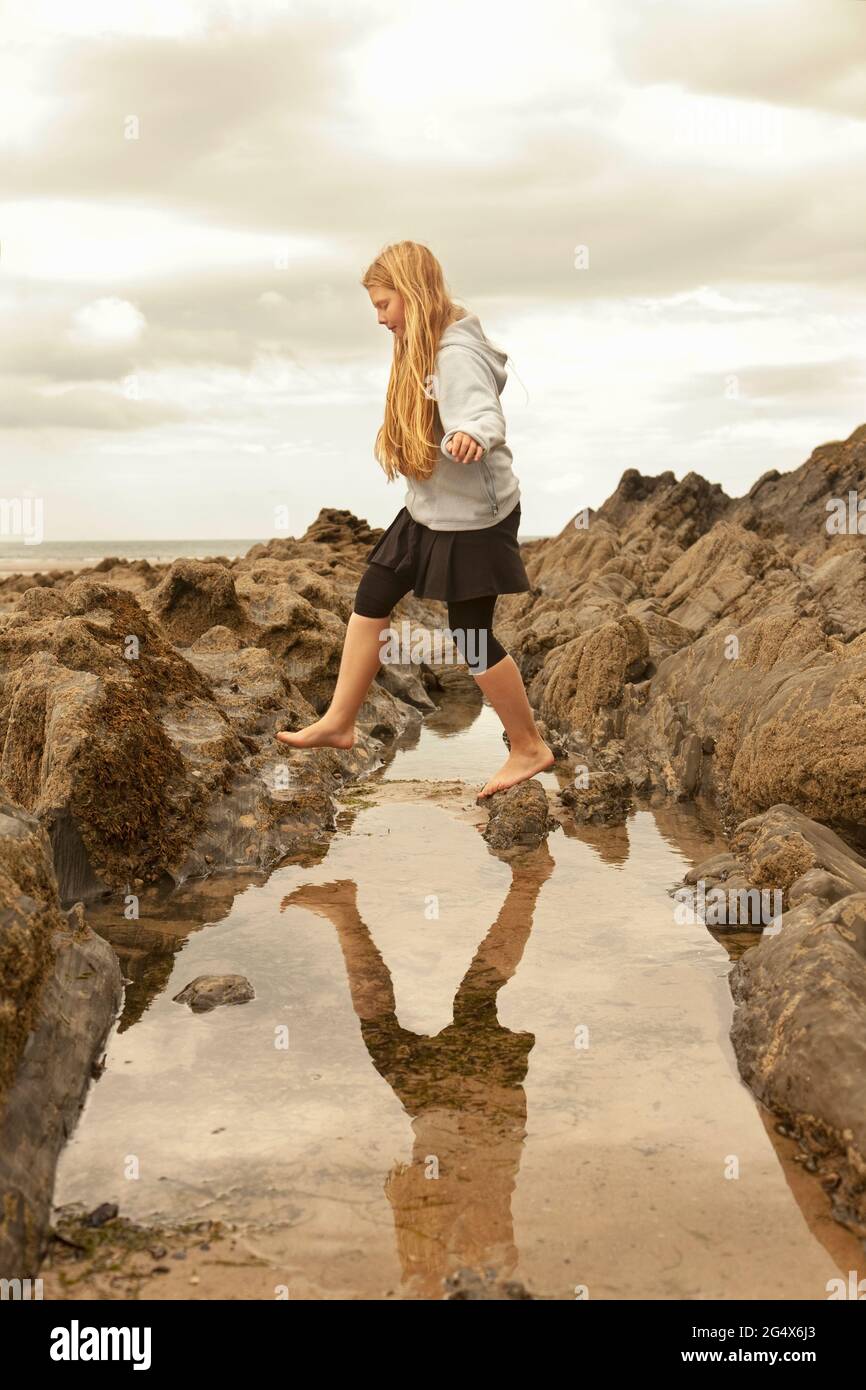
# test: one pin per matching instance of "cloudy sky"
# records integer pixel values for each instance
(657, 206)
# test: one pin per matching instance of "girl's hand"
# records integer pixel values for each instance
(464, 448)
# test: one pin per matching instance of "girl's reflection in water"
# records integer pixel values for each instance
(462, 1088)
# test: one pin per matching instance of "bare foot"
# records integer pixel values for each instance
(322, 734)
(518, 767)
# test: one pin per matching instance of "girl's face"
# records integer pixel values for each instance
(389, 308)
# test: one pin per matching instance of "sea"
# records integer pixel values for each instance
(15, 556)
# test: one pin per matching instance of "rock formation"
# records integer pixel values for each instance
(676, 643)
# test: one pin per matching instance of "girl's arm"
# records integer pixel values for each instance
(468, 400)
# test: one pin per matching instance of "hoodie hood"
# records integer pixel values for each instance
(468, 333)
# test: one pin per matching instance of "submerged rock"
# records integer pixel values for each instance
(208, 992)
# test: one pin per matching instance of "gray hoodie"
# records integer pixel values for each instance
(468, 380)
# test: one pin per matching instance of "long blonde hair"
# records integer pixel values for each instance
(405, 443)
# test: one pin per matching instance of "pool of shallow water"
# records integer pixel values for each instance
(453, 1061)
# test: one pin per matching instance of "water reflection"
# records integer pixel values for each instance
(462, 1088)
(620, 1160)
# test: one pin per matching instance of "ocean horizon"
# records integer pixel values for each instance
(48, 555)
(16, 556)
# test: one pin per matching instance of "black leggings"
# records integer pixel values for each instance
(470, 619)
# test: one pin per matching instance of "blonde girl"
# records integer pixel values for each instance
(455, 538)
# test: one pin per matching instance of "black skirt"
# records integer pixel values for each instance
(451, 565)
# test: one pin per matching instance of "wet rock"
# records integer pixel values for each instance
(799, 1028)
(817, 883)
(786, 851)
(799, 1033)
(29, 913)
(688, 762)
(405, 683)
(96, 713)
(208, 992)
(780, 846)
(60, 991)
(519, 817)
(306, 642)
(718, 867)
(605, 800)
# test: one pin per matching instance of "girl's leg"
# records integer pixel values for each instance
(497, 675)
(378, 591)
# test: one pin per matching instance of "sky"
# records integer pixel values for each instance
(656, 206)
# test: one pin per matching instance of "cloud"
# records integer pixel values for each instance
(196, 190)
(107, 320)
(791, 52)
(81, 408)
(789, 387)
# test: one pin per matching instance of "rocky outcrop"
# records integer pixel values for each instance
(713, 646)
(796, 503)
(139, 726)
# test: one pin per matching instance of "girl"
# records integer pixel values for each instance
(456, 537)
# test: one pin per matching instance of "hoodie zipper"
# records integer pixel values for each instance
(491, 490)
